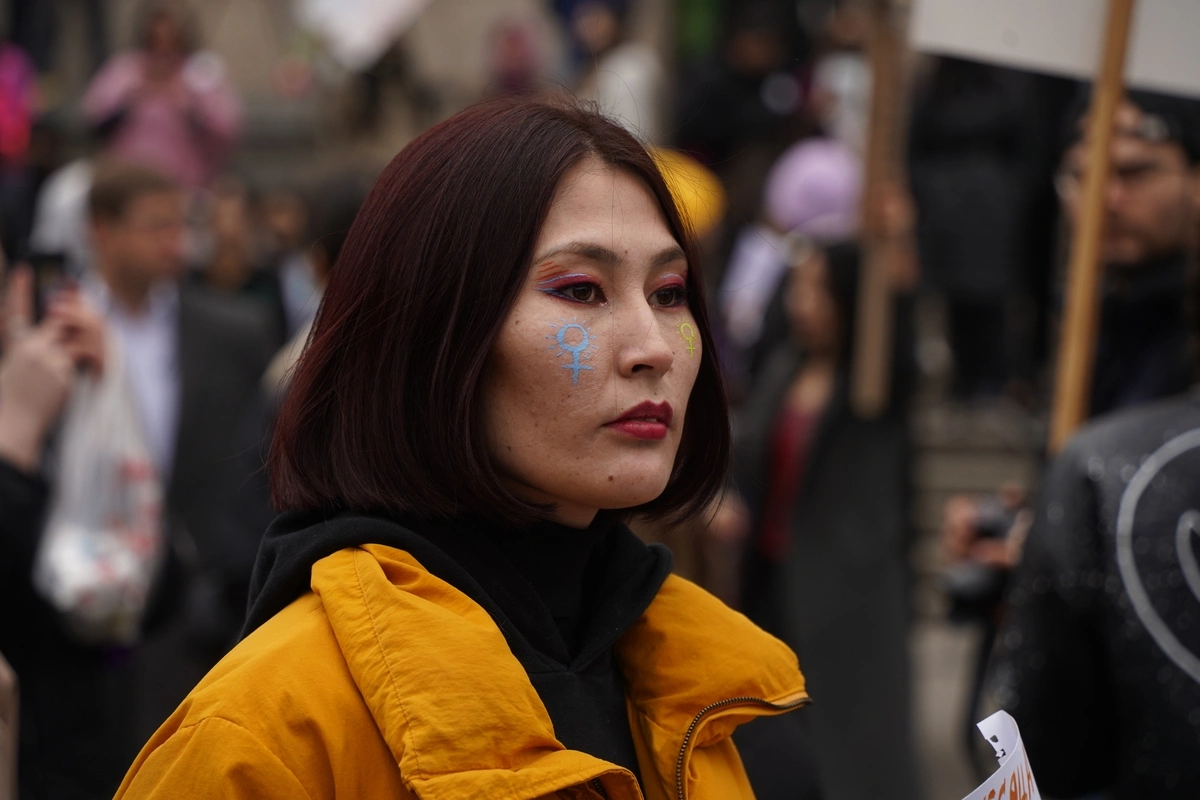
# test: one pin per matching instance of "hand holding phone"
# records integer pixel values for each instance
(49, 278)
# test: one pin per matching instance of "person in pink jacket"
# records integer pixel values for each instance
(167, 104)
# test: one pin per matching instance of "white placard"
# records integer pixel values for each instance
(1014, 778)
(1064, 37)
(358, 32)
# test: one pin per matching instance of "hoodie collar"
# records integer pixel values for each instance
(457, 708)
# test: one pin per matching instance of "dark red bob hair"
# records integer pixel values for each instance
(384, 412)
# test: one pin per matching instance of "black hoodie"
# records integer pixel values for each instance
(561, 596)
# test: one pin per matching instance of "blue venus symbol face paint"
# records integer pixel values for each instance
(573, 340)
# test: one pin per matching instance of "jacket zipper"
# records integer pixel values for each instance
(599, 787)
(733, 701)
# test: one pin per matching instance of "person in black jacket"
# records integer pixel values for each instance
(1099, 659)
(970, 159)
(1100, 656)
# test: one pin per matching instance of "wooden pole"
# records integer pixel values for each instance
(870, 384)
(1076, 353)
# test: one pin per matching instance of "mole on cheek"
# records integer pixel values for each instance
(610, 477)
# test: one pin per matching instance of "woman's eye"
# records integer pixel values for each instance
(582, 293)
(670, 296)
(588, 293)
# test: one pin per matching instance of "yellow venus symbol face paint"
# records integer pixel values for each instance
(689, 335)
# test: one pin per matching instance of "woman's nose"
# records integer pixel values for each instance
(644, 343)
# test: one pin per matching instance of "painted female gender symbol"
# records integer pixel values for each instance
(689, 335)
(576, 350)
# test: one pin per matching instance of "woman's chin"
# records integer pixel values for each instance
(628, 491)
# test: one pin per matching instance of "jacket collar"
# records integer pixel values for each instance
(460, 715)
(696, 670)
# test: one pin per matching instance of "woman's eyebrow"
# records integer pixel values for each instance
(588, 250)
(603, 255)
(667, 256)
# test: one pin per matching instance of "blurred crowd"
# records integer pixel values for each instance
(142, 264)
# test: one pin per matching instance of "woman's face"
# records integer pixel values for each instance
(811, 307)
(164, 35)
(589, 379)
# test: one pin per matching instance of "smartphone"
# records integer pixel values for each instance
(49, 278)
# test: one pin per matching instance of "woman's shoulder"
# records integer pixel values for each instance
(269, 655)
(689, 644)
(282, 700)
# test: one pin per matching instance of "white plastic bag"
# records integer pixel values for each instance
(103, 538)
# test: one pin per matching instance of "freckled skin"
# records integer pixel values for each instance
(546, 432)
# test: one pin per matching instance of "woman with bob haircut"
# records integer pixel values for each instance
(512, 357)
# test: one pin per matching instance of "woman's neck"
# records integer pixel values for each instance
(565, 512)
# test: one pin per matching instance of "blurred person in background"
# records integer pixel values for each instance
(811, 196)
(840, 80)
(622, 75)
(236, 260)
(516, 57)
(1099, 657)
(970, 164)
(75, 722)
(335, 204)
(8, 730)
(166, 104)
(194, 360)
(18, 96)
(1145, 341)
(825, 566)
(285, 224)
(59, 212)
(735, 111)
(1152, 217)
(982, 537)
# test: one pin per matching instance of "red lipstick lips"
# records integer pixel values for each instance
(644, 421)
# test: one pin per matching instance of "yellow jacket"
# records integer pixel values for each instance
(387, 682)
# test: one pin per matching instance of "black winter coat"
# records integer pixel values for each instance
(1100, 658)
(76, 725)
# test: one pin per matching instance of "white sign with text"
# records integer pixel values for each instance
(1064, 37)
(1014, 779)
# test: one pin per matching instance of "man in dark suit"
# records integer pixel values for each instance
(192, 362)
